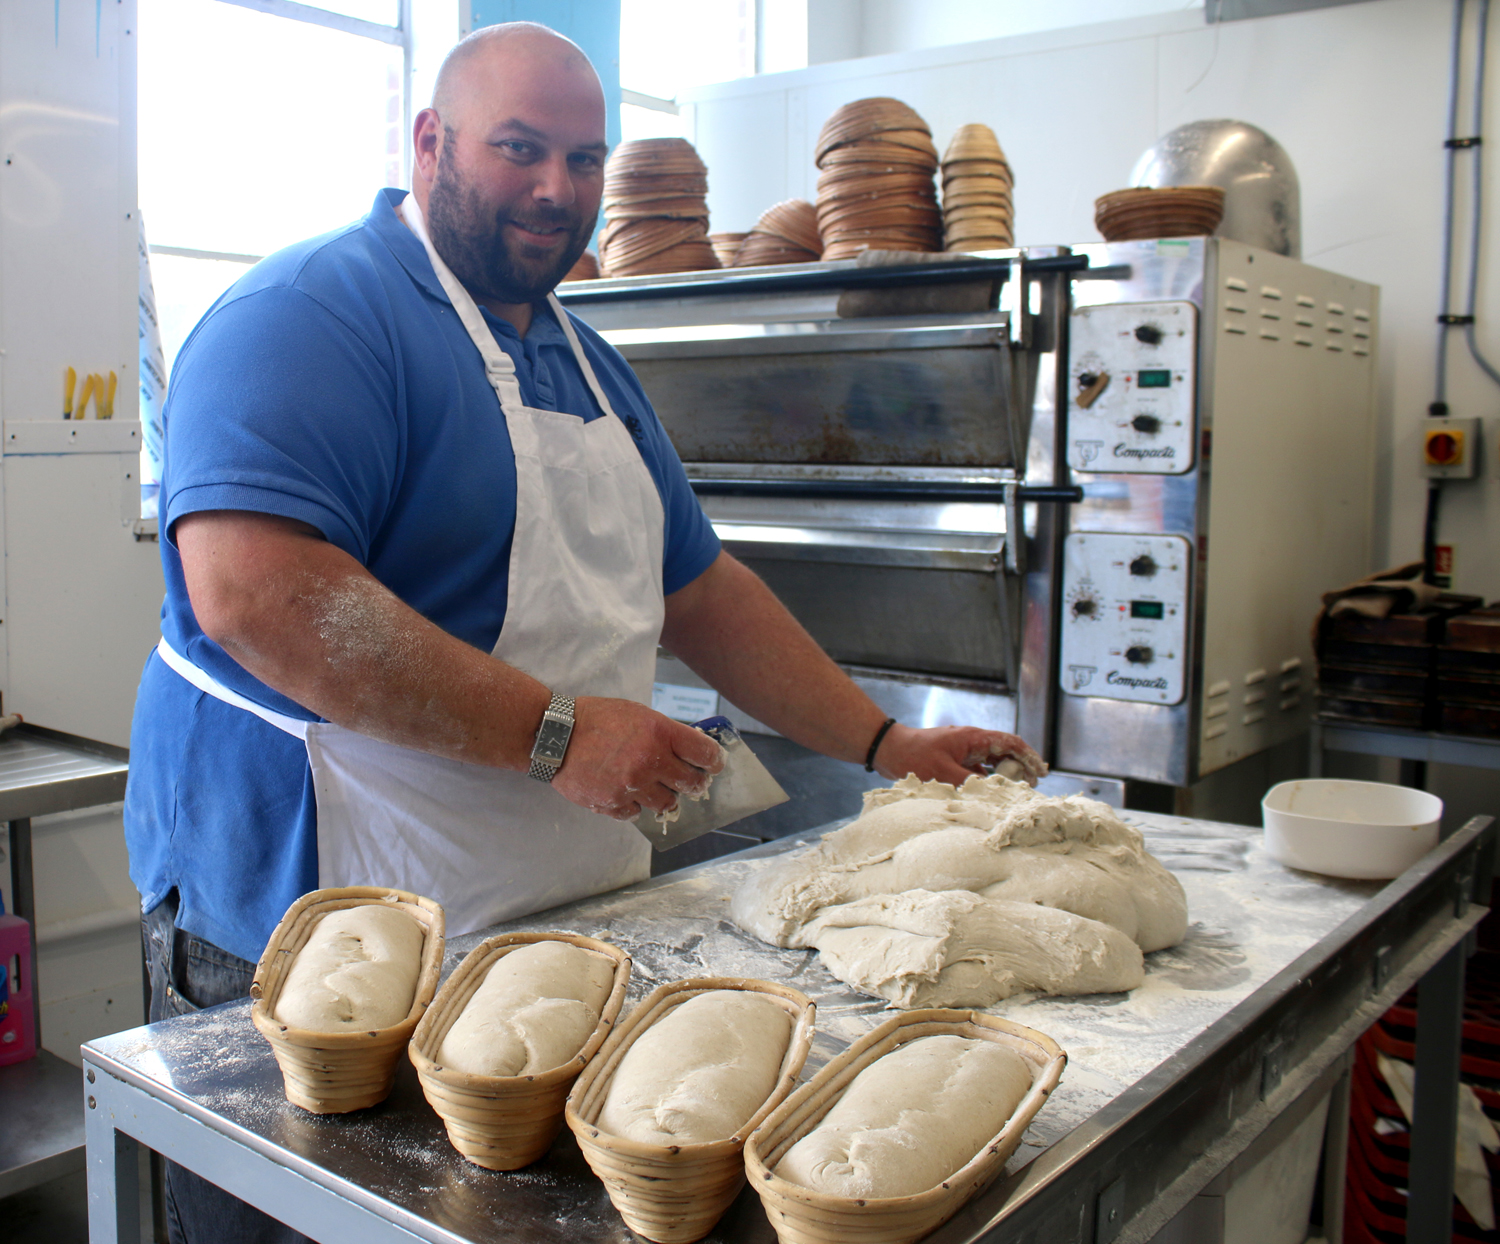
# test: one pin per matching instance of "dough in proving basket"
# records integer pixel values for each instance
(700, 1072)
(911, 1119)
(534, 1010)
(356, 972)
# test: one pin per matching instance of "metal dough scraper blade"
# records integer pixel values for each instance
(742, 788)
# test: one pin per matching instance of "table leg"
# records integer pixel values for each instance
(113, 1175)
(23, 901)
(1440, 1002)
(1336, 1156)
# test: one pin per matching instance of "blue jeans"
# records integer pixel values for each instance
(188, 974)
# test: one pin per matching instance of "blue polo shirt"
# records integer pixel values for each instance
(334, 384)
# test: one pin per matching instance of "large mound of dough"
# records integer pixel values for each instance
(357, 971)
(910, 1119)
(534, 1010)
(699, 1072)
(937, 896)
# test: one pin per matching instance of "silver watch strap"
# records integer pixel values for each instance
(544, 769)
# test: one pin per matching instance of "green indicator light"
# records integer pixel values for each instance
(1147, 609)
(1154, 378)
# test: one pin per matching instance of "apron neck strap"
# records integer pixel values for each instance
(587, 368)
(498, 368)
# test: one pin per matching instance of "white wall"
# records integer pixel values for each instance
(1357, 94)
(906, 25)
(80, 594)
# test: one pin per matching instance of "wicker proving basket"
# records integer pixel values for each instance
(336, 1072)
(673, 1194)
(803, 1216)
(504, 1122)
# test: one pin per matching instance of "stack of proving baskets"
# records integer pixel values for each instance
(803, 1216)
(655, 216)
(875, 188)
(978, 188)
(504, 1122)
(726, 246)
(1165, 212)
(336, 1072)
(673, 1194)
(785, 233)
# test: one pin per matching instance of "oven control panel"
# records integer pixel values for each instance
(1124, 616)
(1130, 395)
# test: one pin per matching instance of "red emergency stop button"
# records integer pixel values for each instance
(1443, 449)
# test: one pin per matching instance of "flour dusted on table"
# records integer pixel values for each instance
(534, 1010)
(911, 1119)
(943, 896)
(700, 1072)
(357, 971)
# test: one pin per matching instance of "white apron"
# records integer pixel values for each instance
(583, 616)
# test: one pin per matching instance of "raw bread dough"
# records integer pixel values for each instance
(534, 1010)
(357, 971)
(955, 948)
(979, 854)
(911, 1119)
(700, 1072)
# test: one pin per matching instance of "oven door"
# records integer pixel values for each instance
(868, 393)
(938, 602)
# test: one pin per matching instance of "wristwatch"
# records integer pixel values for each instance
(552, 739)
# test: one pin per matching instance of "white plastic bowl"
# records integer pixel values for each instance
(1366, 830)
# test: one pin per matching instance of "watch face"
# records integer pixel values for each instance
(552, 741)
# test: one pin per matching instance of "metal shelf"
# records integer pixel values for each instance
(1422, 746)
(41, 1103)
(44, 771)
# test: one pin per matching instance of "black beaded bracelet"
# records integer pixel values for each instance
(875, 746)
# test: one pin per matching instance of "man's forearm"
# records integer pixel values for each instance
(308, 620)
(729, 628)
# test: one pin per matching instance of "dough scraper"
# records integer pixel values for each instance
(741, 788)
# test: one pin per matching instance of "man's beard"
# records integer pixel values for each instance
(473, 245)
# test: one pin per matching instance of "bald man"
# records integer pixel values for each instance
(422, 535)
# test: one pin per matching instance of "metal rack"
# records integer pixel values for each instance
(44, 771)
(205, 1090)
(1413, 746)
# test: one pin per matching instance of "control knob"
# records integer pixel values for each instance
(1149, 334)
(1085, 607)
(1146, 423)
(1139, 654)
(1144, 565)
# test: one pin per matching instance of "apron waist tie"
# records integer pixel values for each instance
(210, 685)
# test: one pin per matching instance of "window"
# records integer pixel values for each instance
(257, 128)
(666, 48)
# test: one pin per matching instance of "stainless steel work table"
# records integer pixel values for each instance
(41, 772)
(1166, 1086)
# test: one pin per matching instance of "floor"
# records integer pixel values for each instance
(58, 1212)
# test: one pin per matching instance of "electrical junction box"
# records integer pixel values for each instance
(1450, 448)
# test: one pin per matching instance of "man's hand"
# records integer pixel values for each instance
(728, 627)
(624, 758)
(954, 753)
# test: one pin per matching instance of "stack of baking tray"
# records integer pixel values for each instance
(1383, 671)
(1468, 674)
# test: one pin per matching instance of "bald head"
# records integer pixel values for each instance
(479, 63)
(510, 163)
